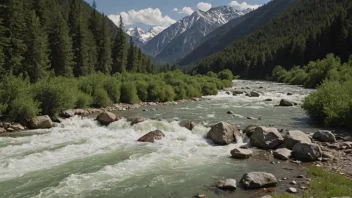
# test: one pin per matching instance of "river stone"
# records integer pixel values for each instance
(68, 113)
(253, 94)
(137, 121)
(239, 153)
(223, 133)
(228, 184)
(2, 130)
(324, 136)
(286, 103)
(266, 138)
(294, 137)
(106, 118)
(41, 122)
(17, 127)
(267, 196)
(249, 130)
(291, 190)
(306, 152)
(258, 180)
(235, 93)
(152, 136)
(190, 125)
(282, 153)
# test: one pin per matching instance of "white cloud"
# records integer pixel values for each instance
(243, 6)
(175, 10)
(203, 6)
(186, 10)
(146, 16)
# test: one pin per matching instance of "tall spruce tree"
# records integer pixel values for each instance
(60, 44)
(132, 57)
(36, 62)
(119, 50)
(104, 50)
(2, 46)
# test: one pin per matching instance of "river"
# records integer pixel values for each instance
(79, 158)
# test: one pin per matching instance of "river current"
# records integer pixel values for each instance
(79, 158)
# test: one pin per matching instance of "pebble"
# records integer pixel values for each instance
(291, 190)
(293, 182)
(300, 176)
(303, 187)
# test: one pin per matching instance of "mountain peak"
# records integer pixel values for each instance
(142, 36)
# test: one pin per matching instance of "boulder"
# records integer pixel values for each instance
(68, 113)
(228, 93)
(268, 100)
(282, 153)
(230, 112)
(266, 138)
(223, 133)
(324, 136)
(258, 180)
(253, 94)
(294, 137)
(137, 121)
(41, 122)
(10, 129)
(228, 184)
(239, 153)
(249, 130)
(106, 118)
(289, 94)
(306, 152)
(235, 93)
(17, 127)
(2, 130)
(190, 125)
(291, 190)
(152, 136)
(286, 103)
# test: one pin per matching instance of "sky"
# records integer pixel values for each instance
(148, 13)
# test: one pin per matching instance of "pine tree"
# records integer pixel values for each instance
(42, 10)
(36, 62)
(95, 25)
(119, 50)
(80, 41)
(104, 50)
(2, 46)
(60, 44)
(132, 57)
(140, 61)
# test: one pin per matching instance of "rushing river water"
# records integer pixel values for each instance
(79, 158)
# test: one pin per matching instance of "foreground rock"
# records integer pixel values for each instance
(190, 125)
(223, 133)
(266, 138)
(152, 136)
(228, 184)
(306, 152)
(41, 122)
(282, 154)
(239, 153)
(324, 136)
(249, 130)
(294, 137)
(258, 180)
(286, 103)
(291, 190)
(106, 118)
(68, 113)
(253, 94)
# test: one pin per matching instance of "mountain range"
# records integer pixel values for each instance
(140, 37)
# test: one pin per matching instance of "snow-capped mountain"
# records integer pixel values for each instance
(144, 37)
(181, 38)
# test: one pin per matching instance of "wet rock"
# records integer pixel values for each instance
(289, 94)
(282, 154)
(56, 119)
(258, 180)
(251, 118)
(294, 137)
(327, 155)
(268, 100)
(153, 109)
(291, 190)
(228, 93)
(239, 153)
(324, 136)
(17, 127)
(266, 138)
(137, 121)
(306, 152)
(300, 176)
(235, 93)
(253, 94)
(10, 129)
(7, 125)
(286, 103)
(293, 182)
(230, 112)
(190, 125)
(2, 130)
(152, 136)
(249, 130)
(41, 122)
(106, 118)
(223, 133)
(68, 113)
(228, 184)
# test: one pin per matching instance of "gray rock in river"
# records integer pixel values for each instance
(258, 180)
(307, 152)
(294, 137)
(266, 138)
(249, 130)
(235, 93)
(282, 154)
(228, 184)
(68, 113)
(286, 103)
(152, 136)
(106, 118)
(41, 122)
(223, 133)
(291, 190)
(190, 125)
(324, 136)
(253, 94)
(239, 153)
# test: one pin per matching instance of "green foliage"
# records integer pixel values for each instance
(129, 93)
(226, 75)
(209, 89)
(83, 100)
(101, 98)
(22, 109)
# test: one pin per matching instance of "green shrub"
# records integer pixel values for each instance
(212, 74)
(113, 87)
(83, 100)
(209, 89)
(226, 75)
(101, 98)
(22, 109)
(142, 90)
(129, 93)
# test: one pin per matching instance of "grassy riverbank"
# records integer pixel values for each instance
(324, 185)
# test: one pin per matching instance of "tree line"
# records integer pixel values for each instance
(43, 38)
